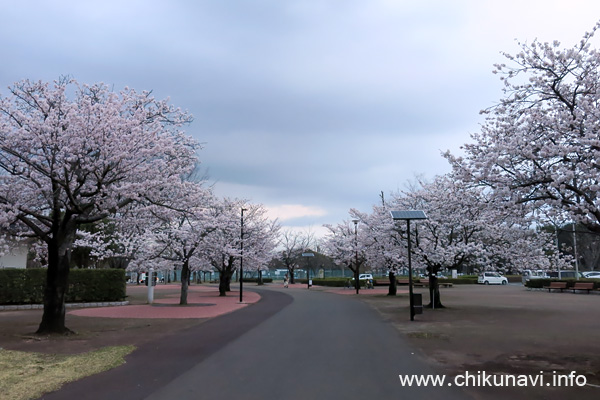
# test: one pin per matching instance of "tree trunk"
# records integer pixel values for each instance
(223, 283)
(393, 284)
(57, 278)
(291, 271)
(185, 279)
(434, 293)
(356, 282)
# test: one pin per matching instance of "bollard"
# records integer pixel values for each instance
(417, 303)
(150, 285)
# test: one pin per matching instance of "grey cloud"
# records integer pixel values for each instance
(320, 103)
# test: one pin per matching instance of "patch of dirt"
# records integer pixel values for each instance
(18, 332)
(17, 329)
(505, 330)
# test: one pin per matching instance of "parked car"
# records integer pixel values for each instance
(364, 277)
(592, 274)
(492, 278)
(533, 274)
(565, 274)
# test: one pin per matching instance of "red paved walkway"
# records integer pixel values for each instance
(366, 292)
(203, 302)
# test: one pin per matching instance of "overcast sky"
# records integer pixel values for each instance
(308, 107)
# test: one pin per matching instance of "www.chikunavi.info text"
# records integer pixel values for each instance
(484, 379)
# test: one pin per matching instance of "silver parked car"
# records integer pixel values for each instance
(592, 274)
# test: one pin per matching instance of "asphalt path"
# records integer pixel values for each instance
(156, 363)
(292, 344)
(321, 346)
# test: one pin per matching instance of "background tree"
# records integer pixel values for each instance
(292, 245)
(67, 163)
(345, 243)
(221, 246)
(260, 239)
(468, 228)
(385, 246)
(586, 242)
(181, 231)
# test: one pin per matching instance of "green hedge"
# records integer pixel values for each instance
(331, 282)
(255, 280)
(540, 283)
(26, 286)
(459, 281)
(514, 278)
(341, 282)
(22, 286)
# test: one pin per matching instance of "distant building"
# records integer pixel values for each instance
(15, 258)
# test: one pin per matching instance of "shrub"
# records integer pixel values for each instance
(22, 286)
(540, 283)
(331, 282)
(460, 281)
(26, 286)
(89, 285)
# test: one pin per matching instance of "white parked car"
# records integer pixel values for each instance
(364, 277)
(492, 278)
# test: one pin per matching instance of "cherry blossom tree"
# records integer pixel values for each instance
(76, 154)
(345, 243)
(221, 247)
(540, 144)
(467, 226)
(164, 237)
(260, 239)
(383, 241)
(293, 244)
(182, 227)
(124, 236)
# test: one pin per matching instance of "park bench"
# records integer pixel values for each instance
(583, 286)
(556, 285)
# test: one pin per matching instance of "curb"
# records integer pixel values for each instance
(596, 292)
(68, 305)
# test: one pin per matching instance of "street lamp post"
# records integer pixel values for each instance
(308, 255)
(242, 256)
(356, 282)
(408, 216)
(575, 253)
